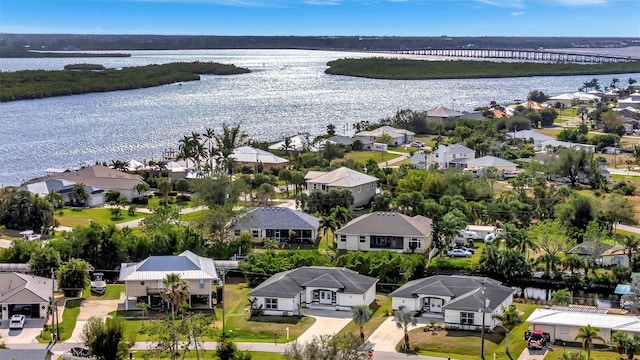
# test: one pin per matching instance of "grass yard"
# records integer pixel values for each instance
(380, 307)
(155, 202)
(553, 132)
(461, 262)
(210, 354)
(193, 216)
(241, 328)
(402, 149)
(73, 217)
(364, 156)
(466, 345)
(113, 293)
(67, 323)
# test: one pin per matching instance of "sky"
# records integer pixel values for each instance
(619, 18)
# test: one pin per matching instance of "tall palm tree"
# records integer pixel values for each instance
(361, 314)
(509, 318)
(176, 291)
(341, 214)
(79, 194)
(404, 317)
(572, 262)
(630, 244)
(209, 137)
(56, 199)
(226, 142)
(185, 148)
(587, 335)
(328, 224)
(286, 145)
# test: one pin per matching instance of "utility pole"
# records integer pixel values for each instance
(484, 311)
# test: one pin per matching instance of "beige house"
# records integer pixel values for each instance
(398, 136)
(362, 186)
(103, 177)
(143, 280)
(386, 231)
(616, 255)
(441, 113)
(24, 294)
(563, 324)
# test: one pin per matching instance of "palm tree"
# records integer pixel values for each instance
(403, 318)
(79, 194)
(209, 136)
(630, 244)
(361, 314)
(56, 199)
(509, 318)
(328, 224)
(561, 297)
(587, 335)
(141, 188)
(571, 356)
(286, 145)
(175, 291)
(164, 187)
(341, 214)
(185, 148)
(572, 262)
(550, 260)
(226, 142)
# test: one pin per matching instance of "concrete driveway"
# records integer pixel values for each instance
(328, 322)
(388, 335)
(90, 308)
(32, 328)
(528, 354)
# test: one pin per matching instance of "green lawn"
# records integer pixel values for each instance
(364, 156)
(556, 352)
(461, 262)
(67, 323)
(241, 328)
(194, 216)
(466, 345)
(402, 149)
(73, 217)
(255, 355)
(113, 293)
(155, 202)
(380, 307)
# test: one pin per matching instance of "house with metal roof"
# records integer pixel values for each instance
(564, 323)
(455, 155)
(386, 231)
(398, 136)
(65, 188)
(362, 186)
(492, 161)
(313, 287)
(279, 223)
(25, 354)
(253, 157)
(461, 301)
(443, 114)
(143, 280)
(24, 294)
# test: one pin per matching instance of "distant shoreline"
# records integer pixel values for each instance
(405, 69)
(12, 54)
(84, 79)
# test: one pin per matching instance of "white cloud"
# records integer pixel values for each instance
(503, 3)
(323, 2)
(582, 2)
(518, 13)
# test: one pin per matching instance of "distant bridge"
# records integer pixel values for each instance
(519, 54)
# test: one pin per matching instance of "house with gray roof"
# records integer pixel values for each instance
(386, 231)
(254, 157)
(503, 165)
(398, 136)
(455, 155)
(65, 188)
(102, 177)
(362, 186)
(25, 354)
(441, 113)
(313, 287)
(461, 301)
(24, 294)
(278, 223)
(143, 280)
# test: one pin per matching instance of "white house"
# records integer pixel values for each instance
(398, 136)
(456, 155)
(24, 294)
(65, 188)
(386, 231)
(252, 157)
(491, 161)
(143, 280)
(102, 177)
(314, 287)
(632, 101)
(461, 301)
(564, 323)
(564, 99)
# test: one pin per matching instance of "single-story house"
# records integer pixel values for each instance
(25, 354)
(481, 231)
(632, 101)
(616, 255)
(564, 99)
(386, 231)
(277, 223)
(589, 249)
(24, 294)
(533, 105)
(144, 279)
(491, 161)
(348, 141)
(297, 142)
(362, 186)
(65, 188)
(314, 287)
(421, 160)
(443, 113)
(252, 157)
(564, 323)
(398, 136)
(611, 150)
(103, 177)
(460, 300)
(550, 145)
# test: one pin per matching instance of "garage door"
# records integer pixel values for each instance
(548, 329)
(29, 310)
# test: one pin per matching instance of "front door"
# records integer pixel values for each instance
(325, 297)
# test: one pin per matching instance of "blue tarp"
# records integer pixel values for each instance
(622, 289)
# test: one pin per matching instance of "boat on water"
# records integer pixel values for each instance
(98, 285)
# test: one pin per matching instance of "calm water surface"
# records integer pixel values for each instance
(287, 92)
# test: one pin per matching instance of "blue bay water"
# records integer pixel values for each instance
(286, 93)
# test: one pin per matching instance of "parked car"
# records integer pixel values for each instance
(471, 250)
(458, 253)
(77, 353)
(537, 339)
(17, 321)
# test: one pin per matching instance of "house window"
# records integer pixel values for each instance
(359, 188)
(415, 243)
(271, 304)
(315, 186)
(564, 329)
(237, 232)
(466, 318)
(343, 238)
(201, 284)
(362, 238)
(255, 233)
